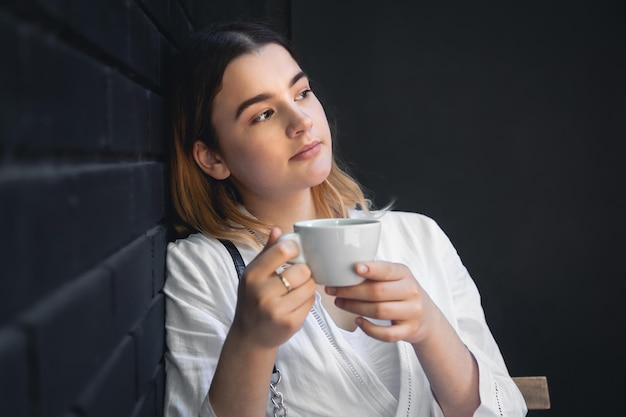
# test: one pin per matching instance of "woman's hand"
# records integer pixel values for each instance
(390, 292)
(267, 314)
(265, 317)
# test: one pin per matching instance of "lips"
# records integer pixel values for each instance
(307, 150)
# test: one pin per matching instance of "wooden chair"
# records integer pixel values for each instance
(535, 391)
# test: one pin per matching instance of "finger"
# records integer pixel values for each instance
(370, 290)
(381, 270)
(273, 257)
(302, 309)
(275, 233)
(389, 310)
(392, 333)
(288, 313)
(294, 305)
(385, 282)
(296, 275)
(299, 298)
(281, 284)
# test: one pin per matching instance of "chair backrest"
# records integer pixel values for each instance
(535, 391)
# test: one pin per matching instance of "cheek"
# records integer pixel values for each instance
(251, 164)
(320, 119)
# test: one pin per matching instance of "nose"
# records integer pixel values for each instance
(299, 122)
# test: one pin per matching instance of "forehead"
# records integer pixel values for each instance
(265, 70)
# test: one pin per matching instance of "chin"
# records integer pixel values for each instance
(320, 173)
(315, 180)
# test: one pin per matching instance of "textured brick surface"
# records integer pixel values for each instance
(146, 406)
(129, 115)
(147, 197)
(83, 131)
(112, 391)
(144, 45)
(159, 245)
(159, 388)
(102, 215)
(13, 378)
(158, 10)
(9, 83)
(34, 204)
(59, 221)
(167, 51)
(157, 126)
(64, 97)
(170, 17)
(103, 23)
(149, 340)
(187, 6)
(71, 333)
(131, 268)
(178, 24)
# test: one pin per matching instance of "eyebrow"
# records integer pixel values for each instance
(265, 96)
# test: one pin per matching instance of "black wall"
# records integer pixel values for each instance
(83, 97)
(504, 121)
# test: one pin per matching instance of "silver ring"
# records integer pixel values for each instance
(285, 283)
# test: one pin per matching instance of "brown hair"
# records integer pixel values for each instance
(202, 203)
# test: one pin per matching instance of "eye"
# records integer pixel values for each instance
(263, 116)
(304, 94)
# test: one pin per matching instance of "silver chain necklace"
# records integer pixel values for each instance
(257, 236)
(280, 409)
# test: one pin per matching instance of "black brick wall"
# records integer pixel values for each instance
(83, 198)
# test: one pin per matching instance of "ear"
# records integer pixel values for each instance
(209, 161)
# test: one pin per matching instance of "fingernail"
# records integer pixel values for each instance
(361, 268)
(331, 290)
(291, 245)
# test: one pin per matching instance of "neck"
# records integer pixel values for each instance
(283, 212)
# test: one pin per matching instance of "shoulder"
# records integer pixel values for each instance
(193, 244)
(407, 234)
(207, 248)
(200, 281)
(393, 216)
(199, 262)
(408, 219)
(197, 249)
(408, 225)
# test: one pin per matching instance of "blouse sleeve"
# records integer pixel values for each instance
(499, 395)
(200, 290)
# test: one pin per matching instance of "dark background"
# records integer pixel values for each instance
(503, 122)
(83, 199)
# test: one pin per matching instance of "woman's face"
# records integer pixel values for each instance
(273, 133)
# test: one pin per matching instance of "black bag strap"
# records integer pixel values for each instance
(240, 265)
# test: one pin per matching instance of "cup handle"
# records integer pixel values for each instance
(294, 237)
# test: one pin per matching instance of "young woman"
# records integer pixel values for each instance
(252, 154)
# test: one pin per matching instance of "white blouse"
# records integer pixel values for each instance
(381, 357)
(323, 374)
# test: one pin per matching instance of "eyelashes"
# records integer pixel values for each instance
(267, 114)
(304, 94)
(263, 116)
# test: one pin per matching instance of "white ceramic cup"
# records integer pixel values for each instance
(331, 248)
